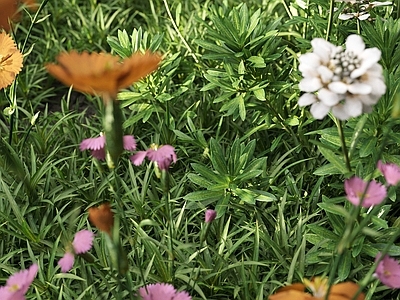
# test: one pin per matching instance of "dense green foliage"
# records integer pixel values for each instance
(225, 96)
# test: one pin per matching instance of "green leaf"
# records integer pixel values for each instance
(344, 266)
(368, 146)
(217, 157)
(333, 159)
(202, 196)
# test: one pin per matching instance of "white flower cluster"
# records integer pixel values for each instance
(359, 8)
(345, 82)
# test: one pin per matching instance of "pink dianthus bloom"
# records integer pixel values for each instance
(388, 271)
(163, 155)
(97, 145)
(210, 215)
(18, 284)
(391, 172)
(82, 243)
(355, 188)
(162, 291)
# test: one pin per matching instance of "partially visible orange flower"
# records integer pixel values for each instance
(102, 73)
(31, 4)
(102, 217)
(319, 288)
(8, 12)
(10, 60)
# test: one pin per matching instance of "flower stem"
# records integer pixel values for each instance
(330, 20)
(343, 142)
(170, 222)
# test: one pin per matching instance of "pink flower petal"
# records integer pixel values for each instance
(163, 156)
(66, 262)
(137, 159)
(129, 142)
(19, 282)
(83, 241)
(391, 172)
(210, 215)
(93, 143)
(355, 188)
(99, 154)
(388, 271)
(162, 291)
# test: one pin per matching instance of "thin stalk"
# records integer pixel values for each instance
(330, 20)
(343, 143)
(170, 222)
(179, 33)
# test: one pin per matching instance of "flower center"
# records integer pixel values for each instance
(360, 194)
(342, 63)
(13, 288)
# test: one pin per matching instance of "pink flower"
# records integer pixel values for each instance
(66, 262)
(210, 215)
(163, 156)
(82, 243)
(162, 291)
(97, 145)
(391, 172)
(18, 284)
(388, 271)
(355, 188)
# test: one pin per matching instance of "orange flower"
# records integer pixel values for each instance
(10, 60)
(8, 12)
(318, 286)
(102, 73)
(31, 4)
(102, 217)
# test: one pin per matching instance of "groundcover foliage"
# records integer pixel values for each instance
(233, 186)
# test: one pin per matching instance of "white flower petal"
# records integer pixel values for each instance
(319, 110)
(377, 3)
(339, 112)
(307, 99)
(370, 99)
(309, 63)
(338, 87)
(310, 84)
(353, 107)
(360, 88)
(355, 44)
(363, 17)
(378, 85)
(325, 73)
(369, 57)
(328, 98)
(346, 16)
(323, 49)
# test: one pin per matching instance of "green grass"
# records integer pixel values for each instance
(225, 97)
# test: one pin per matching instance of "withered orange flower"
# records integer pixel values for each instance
(319, 288)
(102, 217)
(102, 73)
(8, 12)
(10, 60)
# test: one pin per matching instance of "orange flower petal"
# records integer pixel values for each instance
(102, 217)
(10, 60)
(31, 4)
(138, 66)
(101, 73)
(291, 295)
(345, 291)
(8, 11)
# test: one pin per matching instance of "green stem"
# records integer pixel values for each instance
(170, 222)
(330, 20)
(343, 142)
